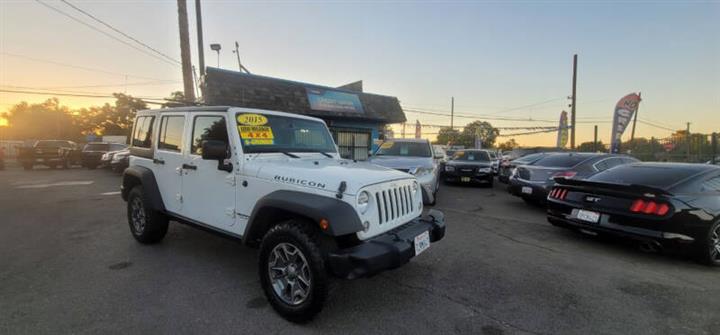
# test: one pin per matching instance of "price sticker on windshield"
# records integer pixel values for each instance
(387, 145)
(252, 119)
(256, 135)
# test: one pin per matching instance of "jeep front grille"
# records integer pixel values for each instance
(394, 203)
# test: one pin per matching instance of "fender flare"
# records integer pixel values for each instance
(342, 217)
(134, 175)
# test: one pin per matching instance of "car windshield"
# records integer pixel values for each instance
(528, 159)
(274, 133)
(659, 176)
(96, 147)
(400, 148)
(475, 156)
(561, 160)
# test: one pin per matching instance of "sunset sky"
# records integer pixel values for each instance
(493, 57)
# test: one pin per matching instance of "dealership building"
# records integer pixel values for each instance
(355, 118)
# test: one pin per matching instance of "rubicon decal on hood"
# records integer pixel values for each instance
(296, 181)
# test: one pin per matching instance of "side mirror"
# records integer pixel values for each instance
(217, 150)
(214, 150)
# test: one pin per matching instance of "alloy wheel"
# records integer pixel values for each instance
(715, 244)
(138, 215)
(289, 273)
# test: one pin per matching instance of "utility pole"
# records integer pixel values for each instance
(572, 110)
(237, 53)
(595, 142)
(452, 111)
(714, 147)
(688, 142)
(403, 130)
(185, 51)
(201, 52)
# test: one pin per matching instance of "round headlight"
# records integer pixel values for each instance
(362, 201)
(414, 187)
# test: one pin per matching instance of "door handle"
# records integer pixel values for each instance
(189, 167)
(158, 161)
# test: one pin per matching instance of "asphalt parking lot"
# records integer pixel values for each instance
(70, 265)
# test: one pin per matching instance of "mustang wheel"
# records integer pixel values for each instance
(147, 226)
(711, 252)
(292, 272)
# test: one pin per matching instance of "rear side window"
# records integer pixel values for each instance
(563, 161)
(115, 146)
(654, 176)
(142, 137)
(96, 147)
(711, 185)
(608, 163)
(207, 128)
(171, 133)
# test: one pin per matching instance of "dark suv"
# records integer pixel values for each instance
(92, 153)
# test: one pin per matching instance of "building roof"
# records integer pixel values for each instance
(223, 87)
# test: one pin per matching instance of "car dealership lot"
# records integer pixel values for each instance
(70, 265)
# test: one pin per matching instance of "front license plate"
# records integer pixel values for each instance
(465, 179)
(422, 242)
(526, 190)
(588, 216)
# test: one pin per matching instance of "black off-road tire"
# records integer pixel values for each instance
(146, 225)
(64, 164)
(302, 237)
(705, 253)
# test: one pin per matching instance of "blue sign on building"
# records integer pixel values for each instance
(333, 101)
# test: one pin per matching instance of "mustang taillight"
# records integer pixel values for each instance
(649, 207)
(559, 193)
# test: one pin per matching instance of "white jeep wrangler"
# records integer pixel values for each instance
(274, 180)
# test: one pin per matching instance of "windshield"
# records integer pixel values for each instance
(475, 156)
(273, 133)
(528, 159)
(408, 149)
(562, 160)
(96, 147)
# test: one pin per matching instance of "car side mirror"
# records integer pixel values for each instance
(217, 150)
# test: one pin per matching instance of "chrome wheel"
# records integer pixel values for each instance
(289, 273)
(715, 244)
(137, 216)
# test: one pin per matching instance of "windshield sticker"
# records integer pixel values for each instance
(256, 135)
(387, 145)
(252, 119)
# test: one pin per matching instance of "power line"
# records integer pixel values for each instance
(529, 133)
(120, 32)
(478, 116)
(98, 95)
(103, 32)
(146, 83)
(76, 66)
(656, 126)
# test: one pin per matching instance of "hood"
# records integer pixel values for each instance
(320, 172)
(402, 162)
(469, 163)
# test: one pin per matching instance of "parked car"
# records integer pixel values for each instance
(533, 182)
(470, 166)
(495, 159)
(716, 161)
(507, 166)
(2, 158)
(416, 157)
(94, 153)
(51, 153)
(274, 181)
(120, 160)
(659, 204)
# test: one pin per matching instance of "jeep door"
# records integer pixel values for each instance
(208, 193)
(169, 158)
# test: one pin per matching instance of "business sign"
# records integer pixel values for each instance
(333, 101)
(624, 110)
(562, 136)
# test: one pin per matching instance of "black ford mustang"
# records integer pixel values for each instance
(661, 204)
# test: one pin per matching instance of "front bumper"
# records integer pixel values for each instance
(478, 177)
(387, 251)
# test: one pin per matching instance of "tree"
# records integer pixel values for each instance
(590, 147)
(176, 99)
(447, 136)
(46, 120)
(481, 130)
(508, 145)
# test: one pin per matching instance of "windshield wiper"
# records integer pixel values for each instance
(289, 154)
(325, 154)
